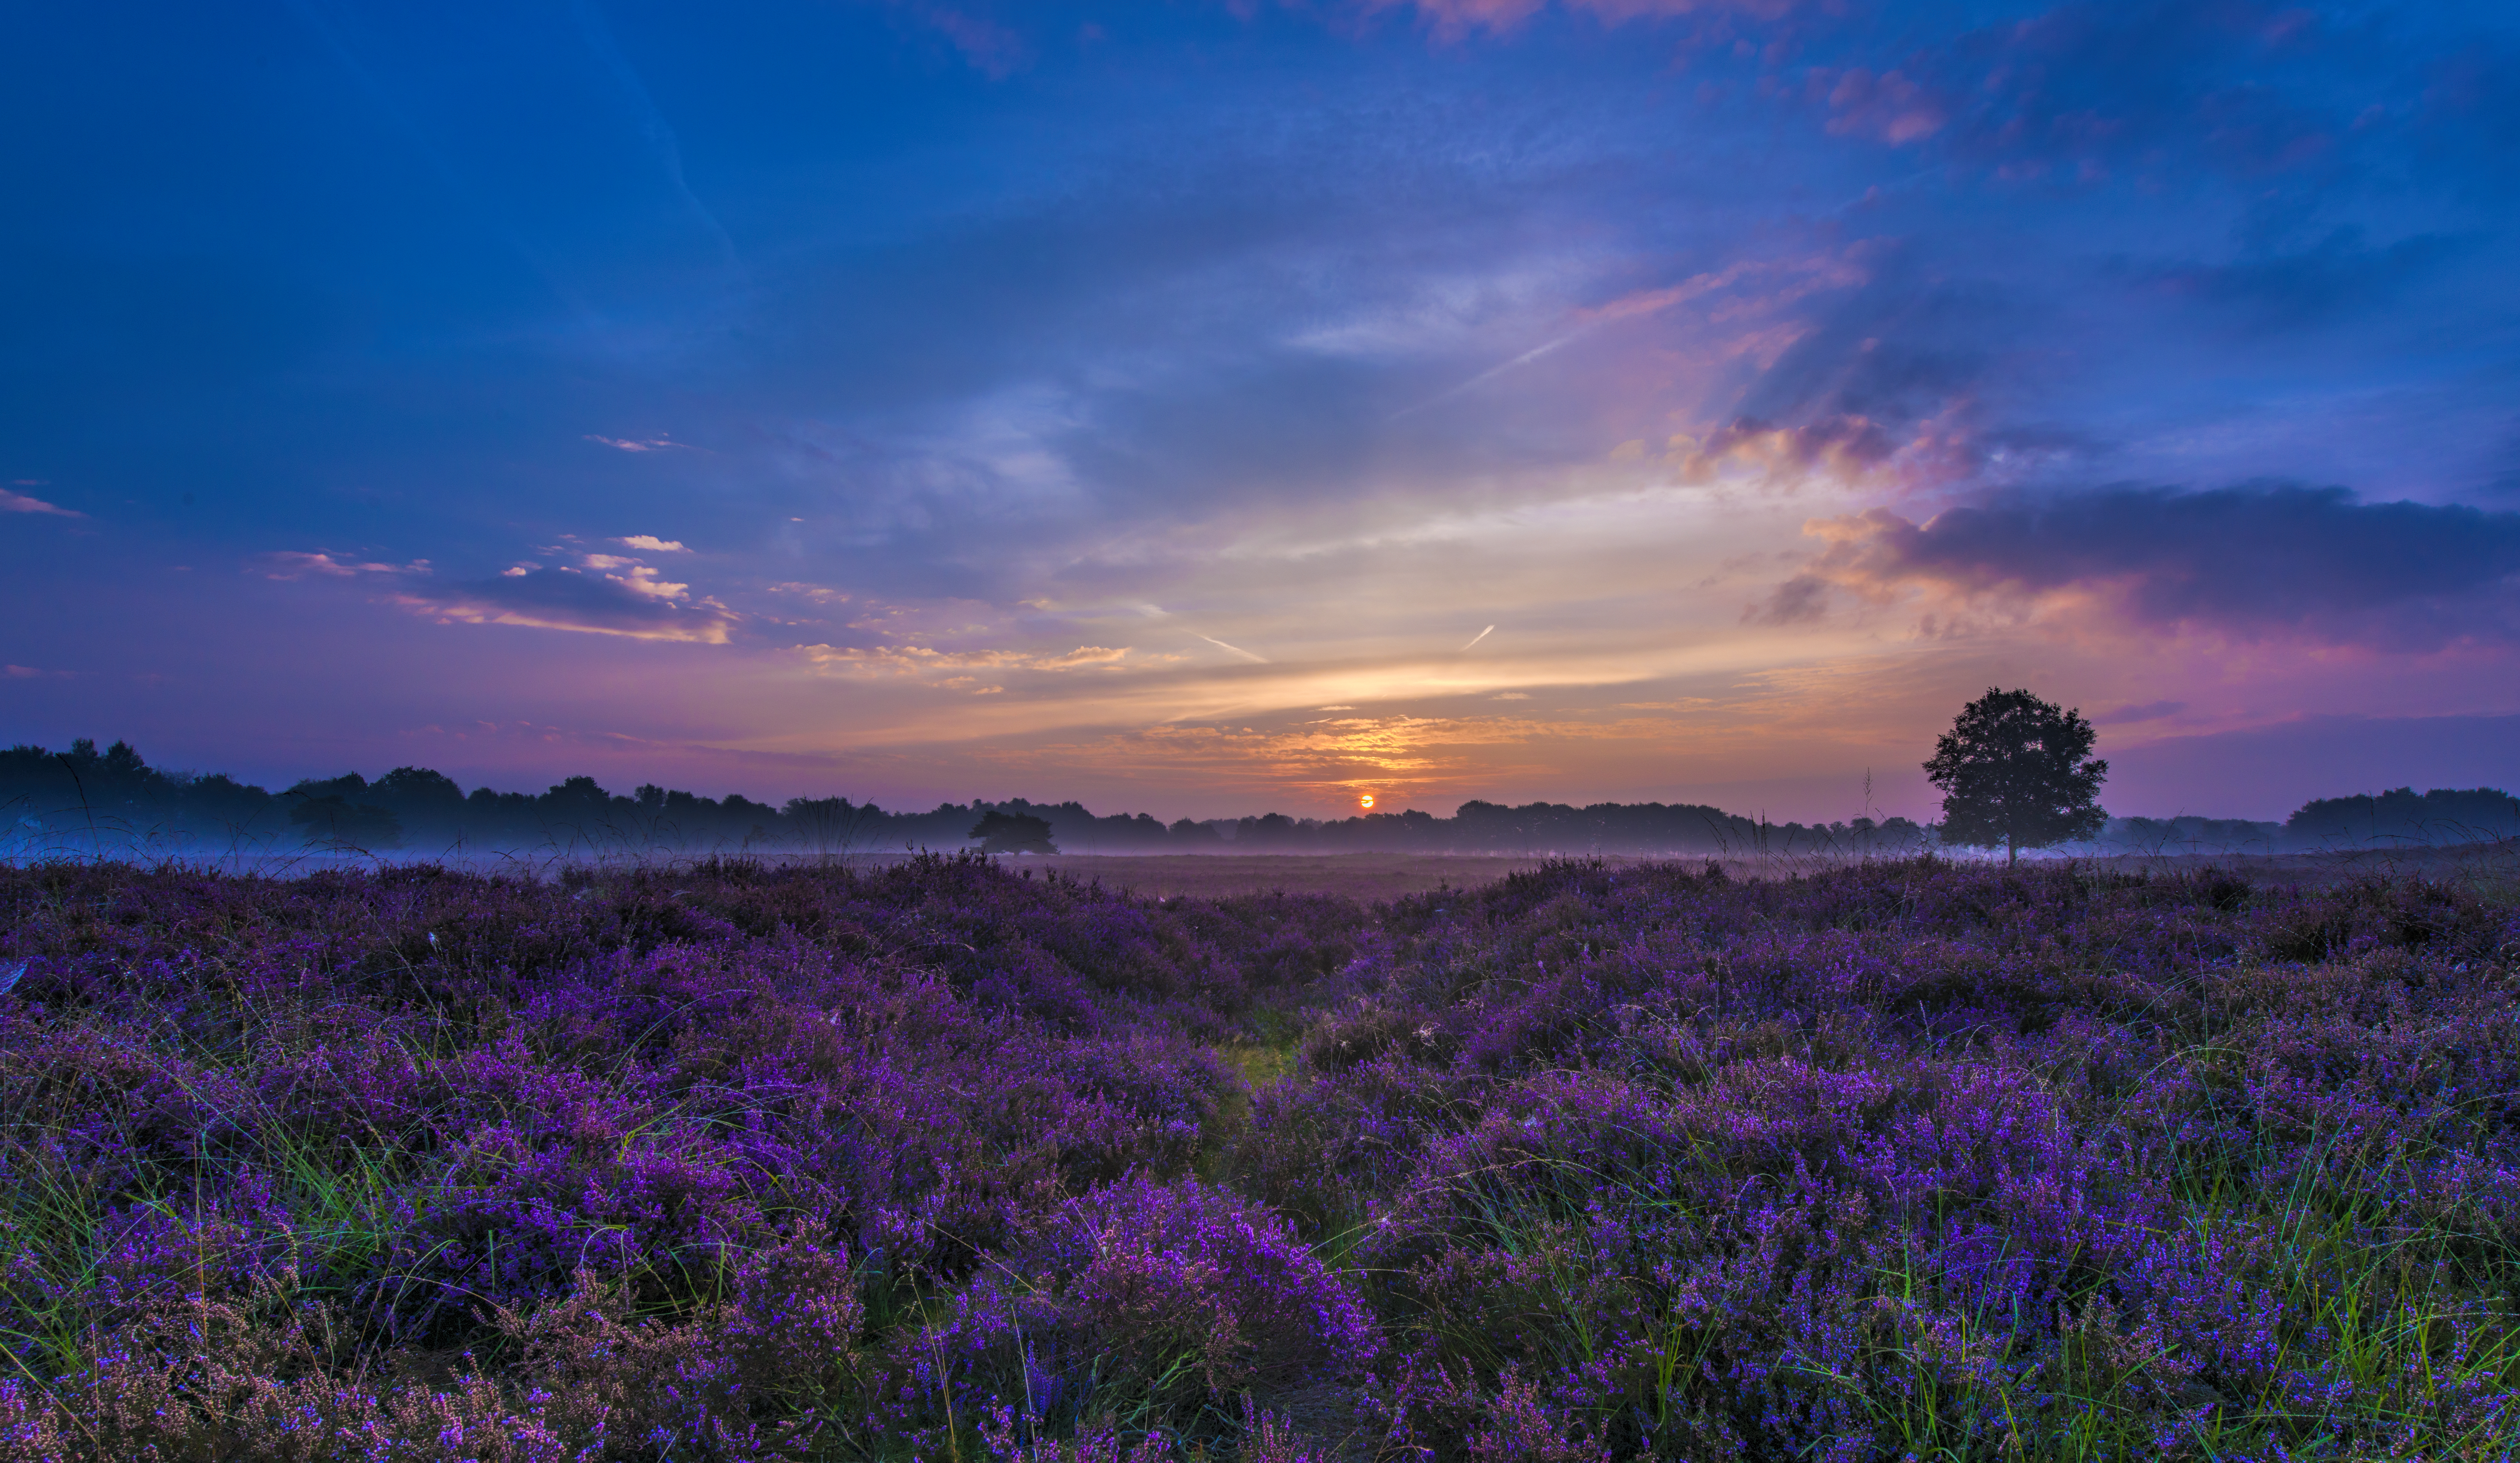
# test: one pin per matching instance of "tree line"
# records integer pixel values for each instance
(83, 797)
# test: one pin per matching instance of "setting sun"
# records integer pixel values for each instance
(1366, 802)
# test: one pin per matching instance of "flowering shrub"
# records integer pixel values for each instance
(1145, 1297)
(1903, 1159)
(1911, 1159)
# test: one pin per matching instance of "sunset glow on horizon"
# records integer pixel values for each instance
(1209, 409)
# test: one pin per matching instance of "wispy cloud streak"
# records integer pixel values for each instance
(1234, 649)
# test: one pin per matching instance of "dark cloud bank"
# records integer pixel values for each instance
(2253, 557)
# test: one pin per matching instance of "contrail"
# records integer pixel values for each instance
(1482, 635)
(1236, 650)
(1629, 307)
(1492, 373)
(652, 126)
(439, 163)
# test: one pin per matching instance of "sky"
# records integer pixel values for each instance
(1206, 408)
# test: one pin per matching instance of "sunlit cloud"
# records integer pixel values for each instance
(561, 598)
(651, 544)
(636, 577)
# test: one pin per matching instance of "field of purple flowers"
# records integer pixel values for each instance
(1898, 1159)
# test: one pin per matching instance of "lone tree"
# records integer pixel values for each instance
(1013, 833)
(2017, 772)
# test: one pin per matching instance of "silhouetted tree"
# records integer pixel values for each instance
(2017, 772)
(417, 787)
(1013, 833)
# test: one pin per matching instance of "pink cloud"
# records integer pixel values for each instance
(293, 564)
(1453, 18)
(1891, 107)
(988, 46)
(21, 502)
(660, 442)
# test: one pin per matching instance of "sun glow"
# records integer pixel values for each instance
(1366, 802)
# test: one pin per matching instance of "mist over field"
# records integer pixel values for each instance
(82, 802)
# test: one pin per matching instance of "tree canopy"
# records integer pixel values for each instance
(2017, 772)
(1013, 833)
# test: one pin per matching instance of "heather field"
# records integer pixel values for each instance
(1887, 1160)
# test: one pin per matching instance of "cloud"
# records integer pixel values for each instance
(989, 47)
(1798, 601)
(293, 564)
(914, 661)
(2251, 89)
(21, 502)
(653, 544)
(2149, 711)
(604, 593)
(657, 443)
(1456, 17)
(1843, 447)
(632, 603)
(2253, 557)
(2273, 289)
(636, 577)
(1328, 754)
(2076, 92)
(1892, 105)
(1886, 384)
(1082, 656)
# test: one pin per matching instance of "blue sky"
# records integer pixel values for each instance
(1192, 408)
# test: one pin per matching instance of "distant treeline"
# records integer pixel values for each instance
(113, 799)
